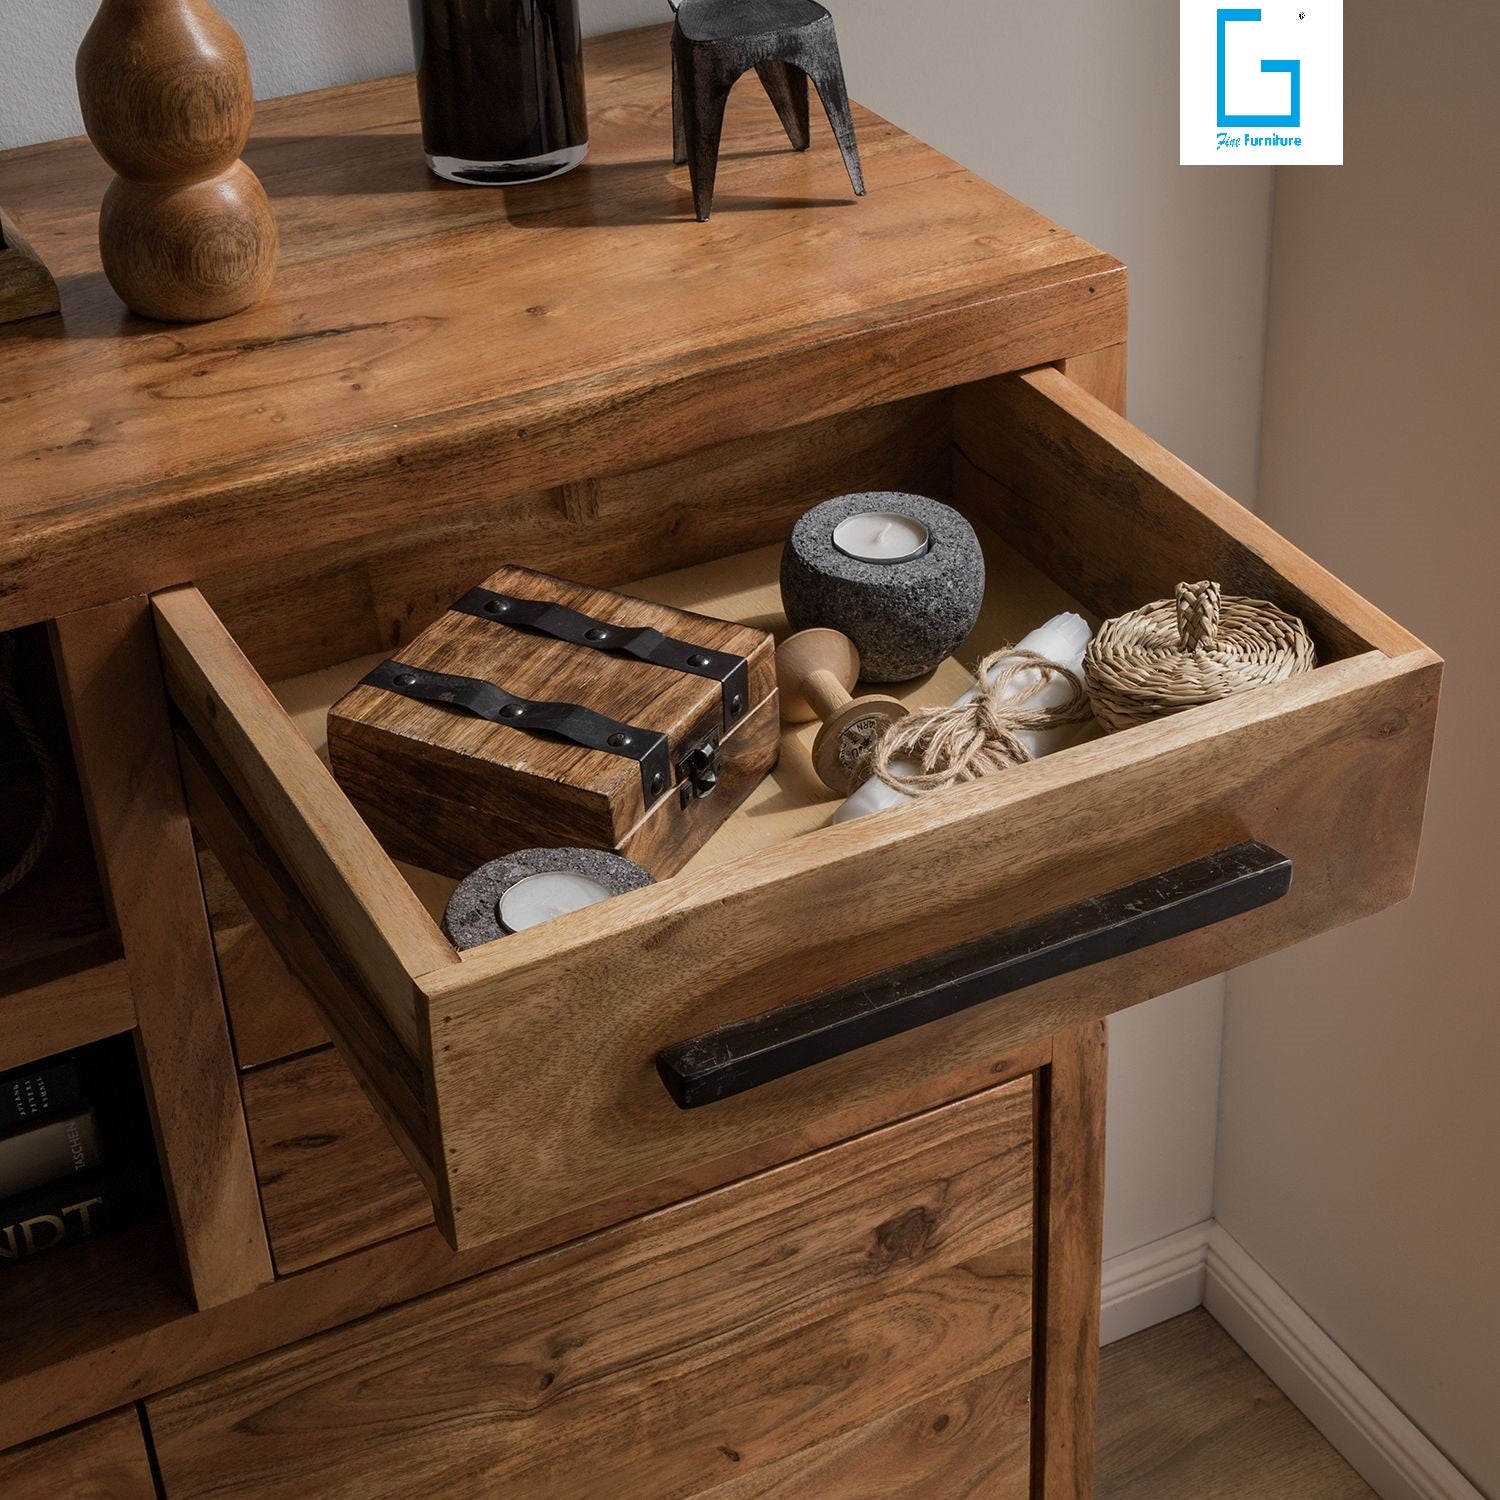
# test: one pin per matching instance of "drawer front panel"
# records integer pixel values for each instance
(522, 1080)
(100, 1460)
(972, 1443)
(832, 1300)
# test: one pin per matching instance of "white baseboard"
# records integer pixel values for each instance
(1147, 1286)
(1207, 1266)
(1394, 1457)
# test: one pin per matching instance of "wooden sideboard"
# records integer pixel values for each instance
(432, 1222)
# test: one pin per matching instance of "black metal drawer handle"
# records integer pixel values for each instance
(748, 1053)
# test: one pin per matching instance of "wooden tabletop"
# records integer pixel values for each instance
(425, 342)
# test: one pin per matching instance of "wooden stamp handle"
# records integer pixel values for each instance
(815, 669)
(825, 693)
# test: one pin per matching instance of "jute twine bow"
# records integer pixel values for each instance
(982, 736)
(1197, 647)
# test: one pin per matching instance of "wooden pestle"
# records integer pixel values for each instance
(815, 673)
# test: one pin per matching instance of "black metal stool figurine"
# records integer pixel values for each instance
(787, 42)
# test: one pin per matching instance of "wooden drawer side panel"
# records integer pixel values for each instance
(1119, 520)
(390, 1076)
(339, 867)
(665, 1356)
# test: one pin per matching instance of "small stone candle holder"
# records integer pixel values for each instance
(902, 576)
(533, 886)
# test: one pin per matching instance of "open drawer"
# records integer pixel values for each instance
(521, 1078)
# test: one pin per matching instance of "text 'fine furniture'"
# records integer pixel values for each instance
(501, 1223)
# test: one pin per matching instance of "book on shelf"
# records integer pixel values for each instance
(38, 1090)
(77, 1208)
(75, 1150)
(48, 1151)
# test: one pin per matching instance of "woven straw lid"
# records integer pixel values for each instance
(1196, 648)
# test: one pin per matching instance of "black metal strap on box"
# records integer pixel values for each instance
(569, 721)
(731, 672)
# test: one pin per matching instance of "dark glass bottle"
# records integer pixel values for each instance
(501, 88)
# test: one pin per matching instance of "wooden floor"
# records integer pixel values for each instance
(1184, 1414)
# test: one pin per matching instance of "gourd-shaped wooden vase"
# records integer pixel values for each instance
(185, 232)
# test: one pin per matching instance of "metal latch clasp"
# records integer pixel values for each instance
(698, 771)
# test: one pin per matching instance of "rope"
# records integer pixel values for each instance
(969, 740)
(1200, 607)
(11, 705)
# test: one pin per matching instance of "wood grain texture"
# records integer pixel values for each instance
(118, 1327)
(186, 232)
(271, 1015)
(1185, 1414)
(102, 1460)
(58, 1012)
(122, 743)
(27, 289)
(392, 1078)
(385, 934)
(1102, 373)
(736, 938)
(1070, 1227)
(376, 389)
(331, 1178)
(1331, 769)
(1097, 503)
(192, 253)
(304, 612)
(970, 1443)
(662, 1356)
(450, 791)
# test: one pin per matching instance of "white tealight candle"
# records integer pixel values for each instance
(881, 536)
(540, 898)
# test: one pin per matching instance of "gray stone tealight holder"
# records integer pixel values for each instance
(905, 618)
(473, 915)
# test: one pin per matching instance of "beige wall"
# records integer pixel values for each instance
(1072, 106)
(1359, 1152)
(293, 45)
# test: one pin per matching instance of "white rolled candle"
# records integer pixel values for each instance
(1062, 640)
(540, 898)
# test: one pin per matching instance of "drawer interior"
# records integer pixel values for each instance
(465, 1058)
(313, 627)
(743, 586)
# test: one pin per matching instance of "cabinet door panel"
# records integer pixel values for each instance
(668, 1355)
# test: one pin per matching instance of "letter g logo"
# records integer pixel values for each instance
(1289, 66)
